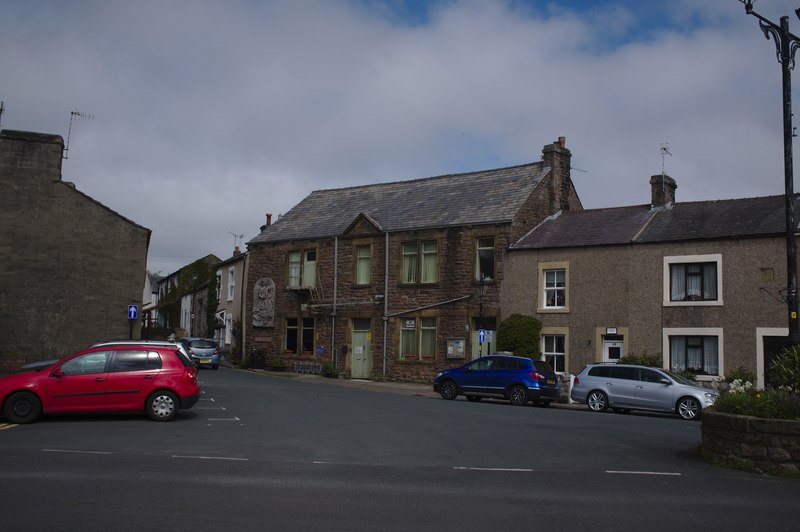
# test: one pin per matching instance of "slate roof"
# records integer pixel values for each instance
(475, 198)
(700, 220)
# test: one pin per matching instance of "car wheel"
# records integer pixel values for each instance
(518, 395)
(448, 390)
(474, 398)
(597, 401)
(22, 407)
(622, 410)
(688, 408)
(162, 405)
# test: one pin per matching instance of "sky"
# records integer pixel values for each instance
(196, 118)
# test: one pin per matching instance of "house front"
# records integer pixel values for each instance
(230, 300)
(400, 279)
(699, 284)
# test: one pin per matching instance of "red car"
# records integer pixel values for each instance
(157, 378)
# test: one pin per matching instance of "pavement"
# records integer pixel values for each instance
(399, 388)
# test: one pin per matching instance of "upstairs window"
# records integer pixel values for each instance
(363, 259)
(302, 268)
(420, 262)
(484, 258)
(555, 288)
(693, 282)
(231, 283)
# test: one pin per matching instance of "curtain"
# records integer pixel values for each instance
(677, 353)
(430, 267)
(711, 352)
(710, 281)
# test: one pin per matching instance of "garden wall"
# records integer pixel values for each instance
(769, 445)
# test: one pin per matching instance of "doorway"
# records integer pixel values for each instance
(360, 357)
(613, 347)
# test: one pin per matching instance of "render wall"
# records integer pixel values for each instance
(622, 287)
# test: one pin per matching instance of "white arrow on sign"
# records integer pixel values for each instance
(133, 312)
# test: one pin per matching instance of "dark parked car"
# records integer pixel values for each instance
(626, 387)
(204, 351)
(516, 379)
(113, 377)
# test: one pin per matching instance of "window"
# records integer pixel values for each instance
(555, 288)
(299, 333)
(87, 364)
(696, 354)
(693, 280)
(302, 268)
(429, 261)
(136, 361)
(413, 345)
(231, 283)
(484, 258)
(553, 351)
(363, 264)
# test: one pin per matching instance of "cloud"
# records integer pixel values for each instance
(208, 115)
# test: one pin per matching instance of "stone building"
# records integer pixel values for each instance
(70, 266)
(395, 279)
(698, 283)
(230, 297)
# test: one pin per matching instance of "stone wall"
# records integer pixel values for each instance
(770, 445)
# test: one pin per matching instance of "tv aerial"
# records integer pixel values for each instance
(74, 115)
(237, 239)
(664, 149)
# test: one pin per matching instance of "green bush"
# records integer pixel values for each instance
(276, 363)
(785, 370)
(329, 370)
(520, 335)
(774, 404)
(742, 375)
(655, 361)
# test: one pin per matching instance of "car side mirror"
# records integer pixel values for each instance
(665, 380)
(58, 372)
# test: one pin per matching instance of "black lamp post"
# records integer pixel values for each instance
(786, 45)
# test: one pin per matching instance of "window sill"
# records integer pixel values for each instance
(553, 310)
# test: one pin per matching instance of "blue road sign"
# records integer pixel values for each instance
(133, 312)
(481, 335)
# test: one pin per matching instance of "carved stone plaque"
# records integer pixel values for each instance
(264, 303)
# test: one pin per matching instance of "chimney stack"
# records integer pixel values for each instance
(662, 191)
(557, 157)
(269, 221)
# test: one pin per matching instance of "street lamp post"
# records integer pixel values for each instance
(786, 45)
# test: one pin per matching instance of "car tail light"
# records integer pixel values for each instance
(190, 374)
(537, 376)
(577, 380)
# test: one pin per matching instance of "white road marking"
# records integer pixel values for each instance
(511, 469)
(224, 419)
(210, 408)
(644, 473)
(211, 458)
(73, 451)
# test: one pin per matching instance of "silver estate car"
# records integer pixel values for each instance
(626, 387)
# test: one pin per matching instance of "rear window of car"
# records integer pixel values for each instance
(202, 343)
(600, 371)
(183, 357)
(542, 366)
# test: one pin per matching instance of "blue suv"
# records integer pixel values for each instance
(516, 379)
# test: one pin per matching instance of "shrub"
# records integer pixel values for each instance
(785, 370)
(775, 403)
(644, 359)
(329, 369)
(276, 363)
(742, 375)
(520, 335)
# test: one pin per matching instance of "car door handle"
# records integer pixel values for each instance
(148, 376)
(99, 379)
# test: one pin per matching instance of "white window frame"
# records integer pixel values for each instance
(556, 331)
(479, 273)
(542, 295)
(684, 259)
(231, 283)
(695, 331)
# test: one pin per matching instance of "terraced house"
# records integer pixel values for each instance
(396, 279)
(699, 283)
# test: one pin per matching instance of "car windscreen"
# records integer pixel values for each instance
(202, 344)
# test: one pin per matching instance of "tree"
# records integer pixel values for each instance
(520, 335)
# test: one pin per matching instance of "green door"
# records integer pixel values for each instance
(360, 359)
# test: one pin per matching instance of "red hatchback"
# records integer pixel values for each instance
(156, 378)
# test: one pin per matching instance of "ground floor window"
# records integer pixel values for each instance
(553, 351)
(694, 354)
(299, 333)
(417, 338)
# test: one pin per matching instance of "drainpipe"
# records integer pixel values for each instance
(385, 299)
(335, 287)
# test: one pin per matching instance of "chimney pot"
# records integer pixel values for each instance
(269, 219)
